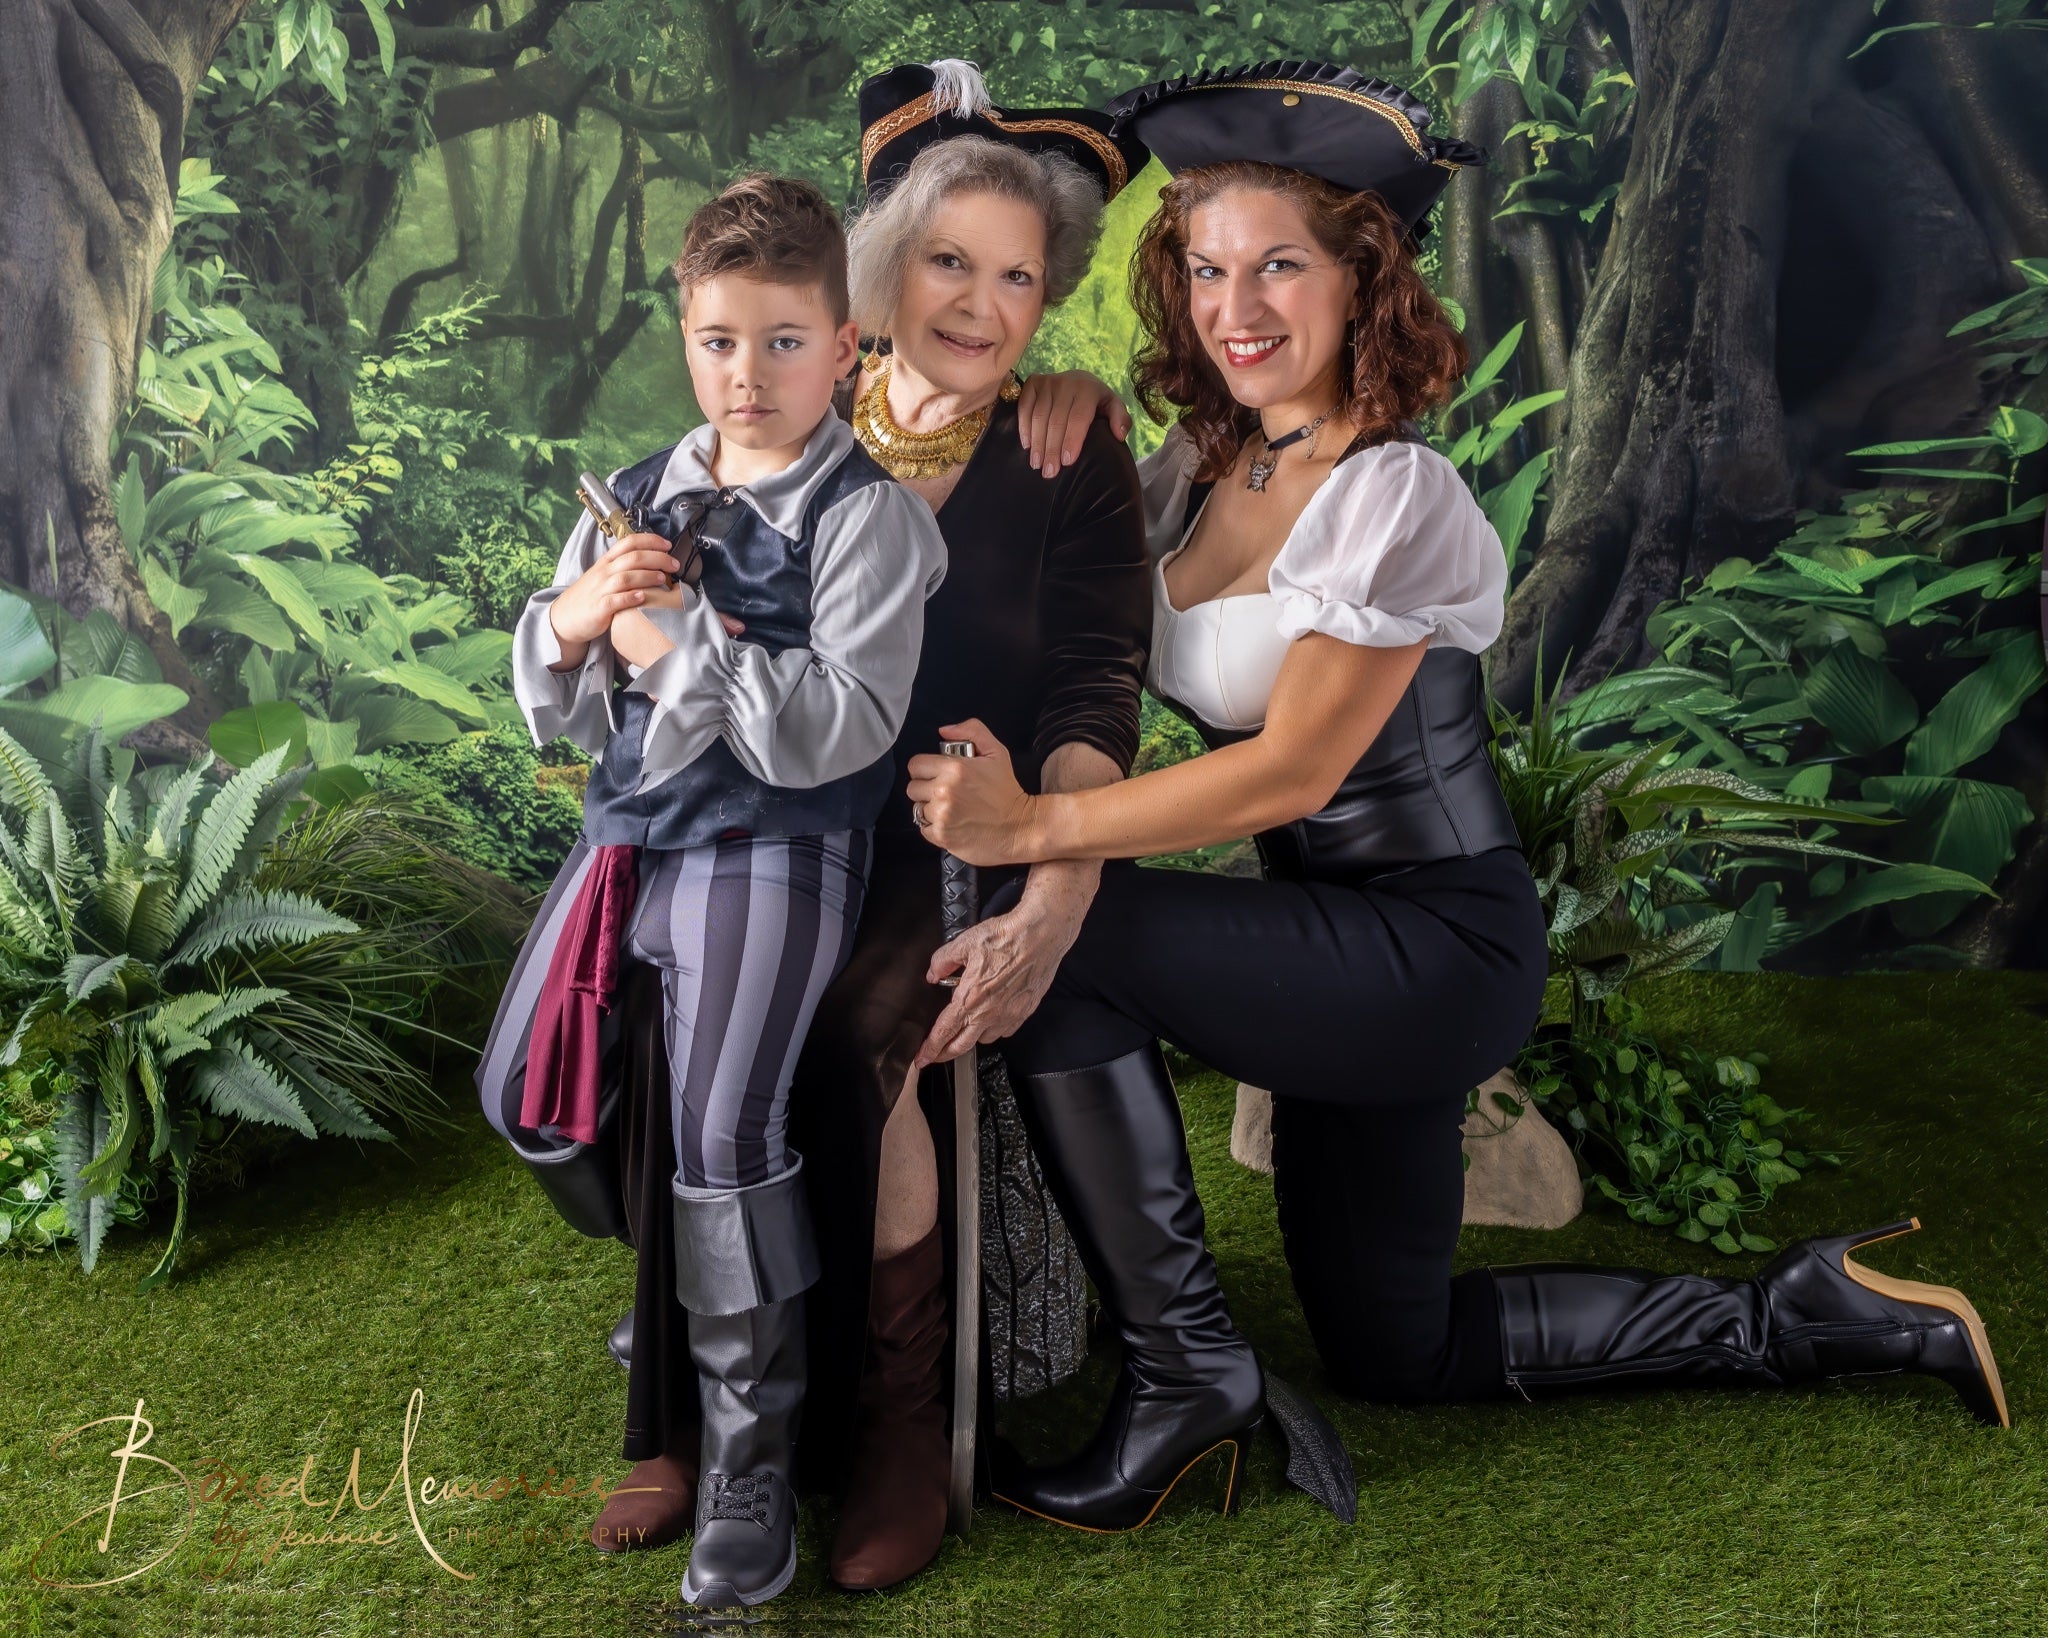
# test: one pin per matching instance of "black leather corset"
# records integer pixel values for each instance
(1424, 790)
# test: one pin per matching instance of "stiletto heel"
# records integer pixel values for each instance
(1977, 1380)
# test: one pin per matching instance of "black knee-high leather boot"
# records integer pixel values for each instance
(1812, 1312)
(1111, 1144)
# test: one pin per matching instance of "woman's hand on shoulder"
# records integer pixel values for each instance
(1055, 412)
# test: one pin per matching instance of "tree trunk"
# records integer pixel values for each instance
(1794, 236)
(93, 97)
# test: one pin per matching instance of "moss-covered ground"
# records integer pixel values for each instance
(310, 1308)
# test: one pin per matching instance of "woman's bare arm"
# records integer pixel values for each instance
(1328, 705)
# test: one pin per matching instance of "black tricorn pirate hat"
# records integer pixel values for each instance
(907, 109)
(1349, 129)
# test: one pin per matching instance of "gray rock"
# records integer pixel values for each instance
(1521, 1175)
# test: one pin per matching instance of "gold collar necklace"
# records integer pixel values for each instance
(906, 454)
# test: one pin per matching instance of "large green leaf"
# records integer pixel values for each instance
(1967, 719)
(25, 653)
(1963, 824)
(179, 601)
(390, 719)
(234, 605)
(242, 736)
(435, 687)
(125, 706)
(289, 593)
(1876, 887)
(1859, 701)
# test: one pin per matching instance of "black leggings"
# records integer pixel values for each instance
(1369, 1012)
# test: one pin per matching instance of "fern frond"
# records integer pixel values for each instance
(251, 918)
(232, 1080)
(23, 784)
(223, 823)
(81, 1134)
(169, 829)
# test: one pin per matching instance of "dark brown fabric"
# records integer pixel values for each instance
(895, 1514)
(1043, 621)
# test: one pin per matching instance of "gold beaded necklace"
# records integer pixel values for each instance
(906, 454)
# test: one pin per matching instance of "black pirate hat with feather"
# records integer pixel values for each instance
(907, 109)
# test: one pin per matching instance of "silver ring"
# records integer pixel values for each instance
(917, 814)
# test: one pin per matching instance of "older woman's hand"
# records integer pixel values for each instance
(1055, 412)
(1006, 964)
(972, 807)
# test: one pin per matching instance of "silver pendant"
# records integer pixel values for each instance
(1261, 469)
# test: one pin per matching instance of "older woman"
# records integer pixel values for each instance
(1323, 585)
(978, 219)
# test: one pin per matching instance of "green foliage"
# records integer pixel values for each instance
(500, 807)
(1576, 151)
(1680, 1137)
(210, 949)
(256, 568)
(2005, 14)
(431, 465)
(1508, 506)
(1874, 654)
(1629, 847)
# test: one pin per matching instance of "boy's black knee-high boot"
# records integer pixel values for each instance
(1110, 1143)
(744, 1258)
(1812, 1312)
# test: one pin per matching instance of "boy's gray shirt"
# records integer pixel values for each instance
(797, 718)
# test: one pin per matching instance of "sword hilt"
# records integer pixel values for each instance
(959, 891)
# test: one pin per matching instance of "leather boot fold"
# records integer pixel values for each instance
(895, 1514)
(744, 1258)
(1812, 1312)
(655, 1504)
(1110, 1142)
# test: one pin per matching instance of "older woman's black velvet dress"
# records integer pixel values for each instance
(1040, 629)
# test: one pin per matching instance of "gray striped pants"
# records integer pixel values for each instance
(747, 933)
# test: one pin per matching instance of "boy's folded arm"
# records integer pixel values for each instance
(817, 713)
(575, 703)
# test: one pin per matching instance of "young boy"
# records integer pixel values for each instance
(742, 727)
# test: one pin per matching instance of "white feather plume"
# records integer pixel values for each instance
(958, 88)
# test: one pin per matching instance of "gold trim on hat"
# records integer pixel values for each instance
(1357, 97)
(919, 109)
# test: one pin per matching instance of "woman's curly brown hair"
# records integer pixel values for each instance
(1406, 355)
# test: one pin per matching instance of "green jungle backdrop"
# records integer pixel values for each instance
(310, 310)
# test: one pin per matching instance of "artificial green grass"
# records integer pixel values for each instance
(308, 1308)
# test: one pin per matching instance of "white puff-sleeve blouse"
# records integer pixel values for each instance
(1392, 549)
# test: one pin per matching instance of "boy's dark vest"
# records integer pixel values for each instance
(762, 578)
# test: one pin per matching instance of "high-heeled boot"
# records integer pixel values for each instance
(744, 1258)
(1110, 1143)
(894, 1520)
(1812, 1312)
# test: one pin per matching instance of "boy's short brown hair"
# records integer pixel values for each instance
(776, 229)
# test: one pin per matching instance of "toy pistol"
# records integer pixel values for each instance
(616, 521)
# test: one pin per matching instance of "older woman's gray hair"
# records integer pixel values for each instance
(884, 235)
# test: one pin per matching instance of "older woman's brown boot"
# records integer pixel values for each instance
(656, 1503)
(895, 1514)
